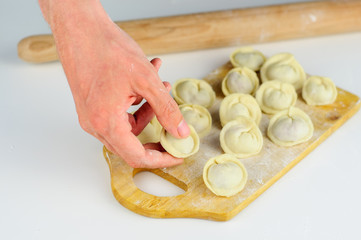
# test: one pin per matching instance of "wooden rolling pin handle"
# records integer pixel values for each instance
(38, 49)
(223, 28)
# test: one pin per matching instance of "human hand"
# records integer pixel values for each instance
(107, 73)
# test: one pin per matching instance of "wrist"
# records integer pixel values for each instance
(44, 7)
(78, 28)
(66, 10)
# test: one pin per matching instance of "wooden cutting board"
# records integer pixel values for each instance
(263, 170)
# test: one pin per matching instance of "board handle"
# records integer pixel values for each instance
(180, 206)
(223, 28)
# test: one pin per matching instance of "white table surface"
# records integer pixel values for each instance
(55, 184)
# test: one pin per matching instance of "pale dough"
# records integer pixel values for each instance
(239, 104)
(275, 96)
(319, 91)
(180, 147)
(247, 57)
(197, 116)
(290, 127)
(193, 91)
(225, 175)
(240, 80)
(283, 67)
(241, 137)
(151, 133)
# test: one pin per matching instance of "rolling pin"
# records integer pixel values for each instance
(222, 28)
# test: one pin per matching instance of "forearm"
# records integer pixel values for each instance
(74, 18)
(75, 25)
(53, 9)
(75, 21)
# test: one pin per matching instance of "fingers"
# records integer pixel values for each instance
(164, 107)
(156, 62)
(140, 98)
(166, 158)
(154, 146)
(156, 159)
(167, 86)
(121, 141)
(137, 100)
(127, 146)
(167, 112)
(141, 118)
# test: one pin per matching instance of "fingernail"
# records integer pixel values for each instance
(183, 129)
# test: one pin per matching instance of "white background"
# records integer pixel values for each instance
(55, 184)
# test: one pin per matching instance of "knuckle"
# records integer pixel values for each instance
(170, 107)
(98, 122)
(136, 160)
(145, 80)
(169, 111)
(136, 164)
(84, 124)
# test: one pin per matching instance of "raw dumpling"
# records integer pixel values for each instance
(275, 96)
(241, 137)
(290, 127)
(240, 80)
(151, 133)
(239, 104)
(283, 67)
(319, 91)
(197, 116)
(180, 147)
(225, 175)
(193, 91)
(247, 57)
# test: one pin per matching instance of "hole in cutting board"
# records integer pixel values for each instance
(153, 184)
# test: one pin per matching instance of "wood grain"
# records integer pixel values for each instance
(224, 28)
(263, 170)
